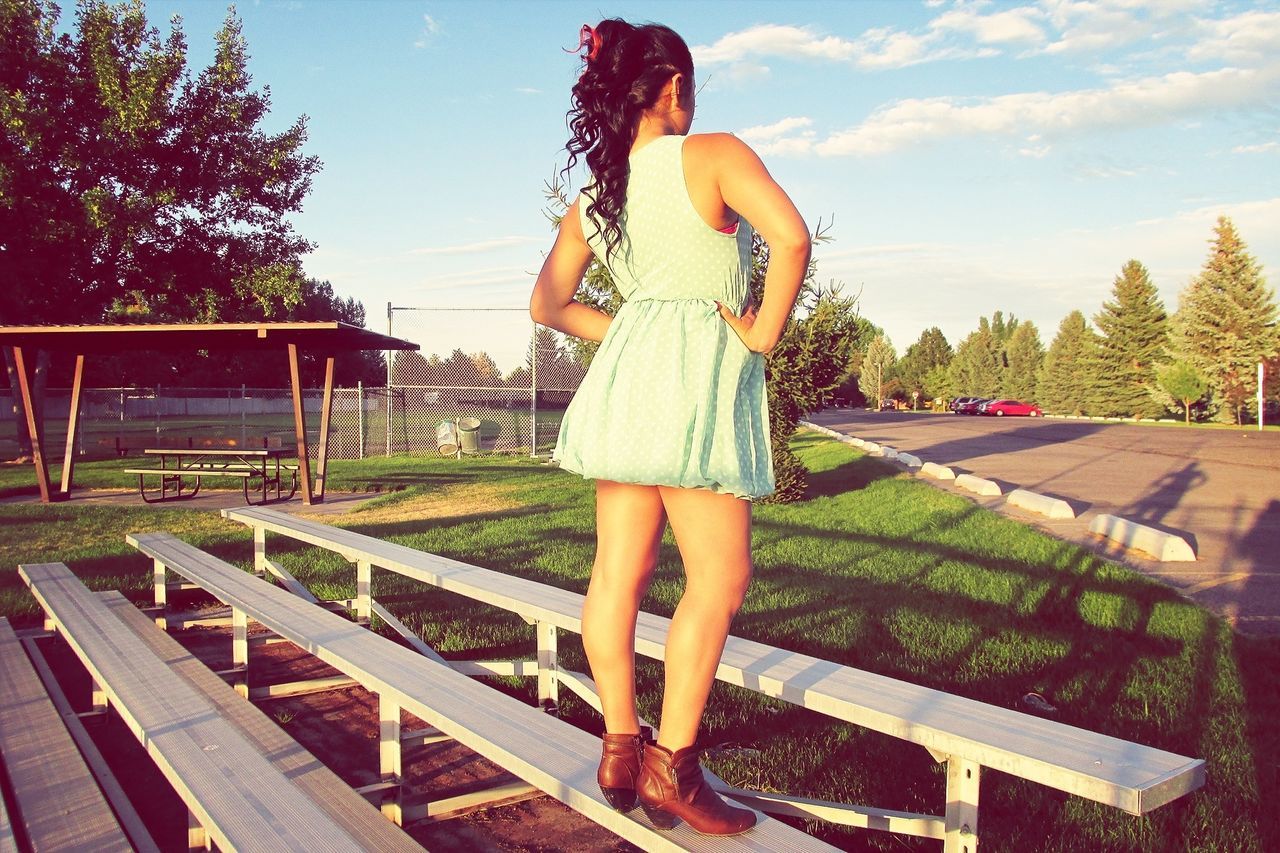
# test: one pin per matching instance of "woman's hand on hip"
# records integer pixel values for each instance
(742, 326)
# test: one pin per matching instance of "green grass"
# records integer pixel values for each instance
(875, 570)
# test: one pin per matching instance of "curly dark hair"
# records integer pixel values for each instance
(624, 75)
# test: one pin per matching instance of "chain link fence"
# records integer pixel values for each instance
(485, 380)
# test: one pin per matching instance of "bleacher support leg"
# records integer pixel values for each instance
(961, 821)
(162, 594)
(197, 838)
(240, 649)
(364, 591)
(260, 551)
(548, 683)
(389, 766)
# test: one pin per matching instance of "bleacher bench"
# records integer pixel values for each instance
(58, 804)
(231, 789)
(546, 752)
(967, 734)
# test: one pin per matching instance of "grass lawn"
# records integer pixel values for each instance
(874, 569)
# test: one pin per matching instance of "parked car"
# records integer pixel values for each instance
(970, 407)
(1000, 408)
(889, 405)
(958, 402)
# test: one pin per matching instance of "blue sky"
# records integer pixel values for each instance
(975, 156)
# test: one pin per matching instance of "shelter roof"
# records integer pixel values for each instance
(330, 336)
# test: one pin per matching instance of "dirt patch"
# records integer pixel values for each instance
(443, 502)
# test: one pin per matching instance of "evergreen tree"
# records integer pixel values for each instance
(1225, 323)
(918, 370)
(978, 363)
(1066, 381)
(877, 369)
(1133, 340)
(1024, 356)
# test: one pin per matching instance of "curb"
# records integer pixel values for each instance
(938, 472)
(1165, 547)
(988, 488)
(1042, 504)
(909, 460)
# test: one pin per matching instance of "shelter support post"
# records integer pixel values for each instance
(300, 425)
(326, 409)
(73, 426)
(37, 449)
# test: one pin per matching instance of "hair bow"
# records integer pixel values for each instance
(590, 39)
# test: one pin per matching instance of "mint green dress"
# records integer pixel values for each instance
(673, 397)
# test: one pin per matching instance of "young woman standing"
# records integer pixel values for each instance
(671, 419)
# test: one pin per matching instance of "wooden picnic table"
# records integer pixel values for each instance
(179, 466)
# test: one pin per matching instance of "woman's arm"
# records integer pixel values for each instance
(552, 303)
(747, 187)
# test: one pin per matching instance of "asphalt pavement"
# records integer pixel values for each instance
(1218, 488)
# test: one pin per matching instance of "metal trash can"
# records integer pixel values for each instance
(469, 434)
(447, 438)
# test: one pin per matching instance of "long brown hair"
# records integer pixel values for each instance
(626, 70)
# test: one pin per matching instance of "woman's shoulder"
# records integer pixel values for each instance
(715, 143)
(720, 151)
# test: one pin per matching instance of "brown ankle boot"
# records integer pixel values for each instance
(620, 767)
(672, 786)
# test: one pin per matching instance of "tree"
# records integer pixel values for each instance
(1225, 323)
(877, 367)
(978, 363)
(1183, 383)
(1066, 380)
(1133, 341)
(1024, 356)
(922, 367)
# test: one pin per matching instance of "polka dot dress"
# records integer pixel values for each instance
(673, 396)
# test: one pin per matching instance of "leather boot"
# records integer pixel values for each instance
(620, 761)
(672, 786)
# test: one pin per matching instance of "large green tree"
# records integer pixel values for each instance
(978, 366)
(922, 368)
(1068, 375)
(877, 369)
(129, 185)
(1024, 356)
(1226, 323)
(1132, 343)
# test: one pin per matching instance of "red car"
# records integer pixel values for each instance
(1000, 408)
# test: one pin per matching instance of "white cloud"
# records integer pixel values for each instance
(478, 247)
(1021, 25)
(1244, 39)
(768, 132)
(1255, 149)
(1138, 103)
(528, 90)
(430, 27)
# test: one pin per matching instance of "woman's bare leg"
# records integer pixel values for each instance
(713, 532)
(629, 524)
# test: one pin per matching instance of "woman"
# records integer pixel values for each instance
(671, 419)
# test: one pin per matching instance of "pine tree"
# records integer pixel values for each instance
(1225, 323)
(918, 369)
(1066, 381)
(1024, 356)
(1132, 345)
(978, 364)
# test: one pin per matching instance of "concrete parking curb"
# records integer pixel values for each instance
(938, 472)
(1042, 504)
(987, 488)
(1165, 547)
(909, 460)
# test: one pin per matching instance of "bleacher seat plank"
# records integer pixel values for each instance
(347, 808)
(58, 803)
(546, 752)
(1126, 775)
(242, 802)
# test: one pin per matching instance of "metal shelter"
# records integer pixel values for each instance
(324, 339)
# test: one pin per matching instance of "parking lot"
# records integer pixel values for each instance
(1218, 488)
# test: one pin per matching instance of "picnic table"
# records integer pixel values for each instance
(181, 469)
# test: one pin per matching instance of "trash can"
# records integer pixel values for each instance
(447, 438)
(469, 434)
